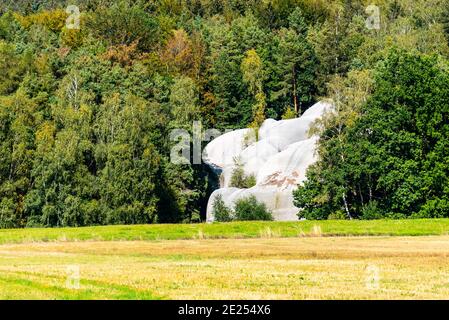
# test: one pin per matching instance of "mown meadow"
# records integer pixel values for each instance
(385, 259)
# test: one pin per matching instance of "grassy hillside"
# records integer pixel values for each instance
(231, 230)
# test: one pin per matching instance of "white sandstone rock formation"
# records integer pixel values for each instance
(278, 161)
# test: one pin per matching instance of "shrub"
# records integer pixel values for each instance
(237, 178)
(371, 211)
(397, 216)
(337, 215)
(250, 181)
(289, 114)
(240, 180)
(220, 211)
(434, 208)
(249, 209)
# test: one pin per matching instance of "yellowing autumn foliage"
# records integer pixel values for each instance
(53, 20)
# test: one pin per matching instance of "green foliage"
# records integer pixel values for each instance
(338, 215)
(123, 23)
(445, 20)
(220, 211)
(253, 76)
(371, 211)
(295, 66)
(250, 181)
(289, 114)
(240, 180)
(250, 209)
(14, 67)
(388, 158)
(184, 101)
(85, 114)
(246, 209)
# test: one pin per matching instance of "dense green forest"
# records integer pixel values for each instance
(85, 113)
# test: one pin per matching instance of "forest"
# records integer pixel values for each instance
(88, 97)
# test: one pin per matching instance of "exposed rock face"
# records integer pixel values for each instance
(279, 161)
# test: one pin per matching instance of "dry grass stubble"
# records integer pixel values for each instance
(271, 268)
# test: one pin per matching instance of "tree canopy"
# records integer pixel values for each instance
(86, 113)
(389, 157)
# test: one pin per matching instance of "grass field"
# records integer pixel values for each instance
(302, 260)
(232, 230)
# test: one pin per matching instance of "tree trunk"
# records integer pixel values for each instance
(295, 98)
(361, 195)
(346, 206)
(370, 190)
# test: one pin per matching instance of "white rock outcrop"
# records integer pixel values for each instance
(279, 161)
